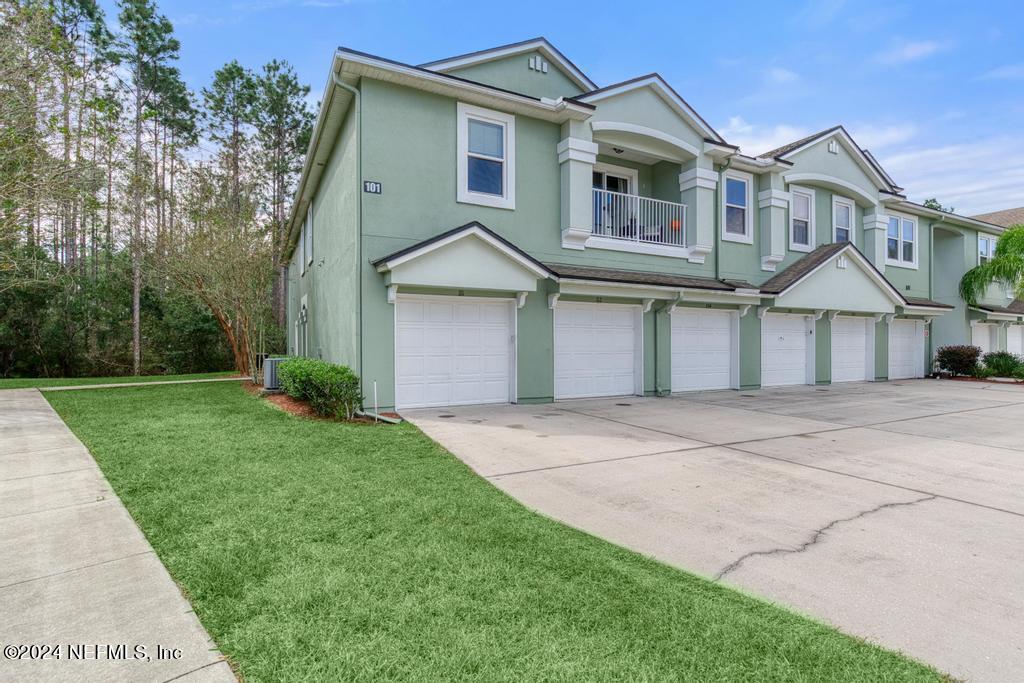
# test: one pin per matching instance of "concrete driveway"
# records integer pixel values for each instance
(894, 511)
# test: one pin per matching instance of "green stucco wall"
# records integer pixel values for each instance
(513, 73)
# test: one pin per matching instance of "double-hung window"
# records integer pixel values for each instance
(801, 219)
(986, 248)
(901, 241)
(842, 220)
(737, 223)
(486, 172)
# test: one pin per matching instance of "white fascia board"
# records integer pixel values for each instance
(472, 231)
(924, 310)
(381, 69)
(539, 45)
(709, 296)
(629, 290)
(759, 165)
(964, 221)
(995, 315)
(684, 110)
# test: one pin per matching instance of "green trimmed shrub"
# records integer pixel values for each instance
(958, 359)
(982, 372)
(1002, 363)
(330, 390)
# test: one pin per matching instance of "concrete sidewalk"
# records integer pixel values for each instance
(77, 574)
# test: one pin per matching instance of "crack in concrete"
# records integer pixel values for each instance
(816, 536)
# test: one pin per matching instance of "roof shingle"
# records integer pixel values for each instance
(1005, 218)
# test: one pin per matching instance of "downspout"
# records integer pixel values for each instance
(359, 208)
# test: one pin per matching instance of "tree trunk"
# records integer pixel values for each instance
(137, 230)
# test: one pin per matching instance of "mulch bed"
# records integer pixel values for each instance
(302, 409)
(983, 381)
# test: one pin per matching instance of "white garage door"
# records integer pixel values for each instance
(452, 351)
(906, 349)
(784, 340)
(849, 349)
(596, 350)
(702, 349)
(982, 337)
(1015, 340)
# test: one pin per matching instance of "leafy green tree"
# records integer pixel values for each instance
(230, 104)
(284, 124)
(1005, 267)
(934, 203)
(146, 47)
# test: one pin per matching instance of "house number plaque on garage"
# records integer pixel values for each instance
(372, 186)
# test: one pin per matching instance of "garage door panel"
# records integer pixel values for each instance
(906, 349)
(449, 353)
(595, 350)
(1015, 340)
(849, 349)
(702, 349)
(783, 350)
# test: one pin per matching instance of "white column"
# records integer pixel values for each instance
(876, 226)
(577, 154)
(697, 190)
(773, 205)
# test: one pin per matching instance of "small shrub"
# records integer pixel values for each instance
(331, 390)
(958, 359)
(1019, 372)
(982, 372)
(1002, 363)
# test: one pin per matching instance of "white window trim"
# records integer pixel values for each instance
(302, 249)
(508, 122)
(748, 236)
(624, 171)
(899, 262)
(991, 250)
(809, 193)
(836, 201)
(309, 234)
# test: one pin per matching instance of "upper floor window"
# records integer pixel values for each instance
(901, 241)
(842, 220)
(737, 224)
(986, 248)
(801, 219)
(300, 248)
(486, 141)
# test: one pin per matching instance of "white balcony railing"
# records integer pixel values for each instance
(638, 219)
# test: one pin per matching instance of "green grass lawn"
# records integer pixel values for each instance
(326, 551)
(43, 382)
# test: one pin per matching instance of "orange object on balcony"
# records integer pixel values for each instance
(674, 224)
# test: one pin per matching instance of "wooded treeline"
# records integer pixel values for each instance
(141, 224)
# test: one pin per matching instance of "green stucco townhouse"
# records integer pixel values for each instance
(496, 227)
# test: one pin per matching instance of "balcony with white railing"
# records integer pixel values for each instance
(629, 218)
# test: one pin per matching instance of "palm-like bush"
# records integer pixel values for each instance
(1007, 266)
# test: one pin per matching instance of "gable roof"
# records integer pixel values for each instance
(660, 86)
(1005, 218)
(782, 282)
(476, 228)
(539, 44)
(866, 160)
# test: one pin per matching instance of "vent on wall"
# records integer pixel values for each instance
(538, 64)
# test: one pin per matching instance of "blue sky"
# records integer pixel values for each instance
(934, 89)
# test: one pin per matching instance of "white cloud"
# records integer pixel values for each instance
(754, 139)
(879, 137)
(818, 13)
(985, 175)
(777, 75)
(1007, 72)
(909, 52)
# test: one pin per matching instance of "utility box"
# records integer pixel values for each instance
(270, 381)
